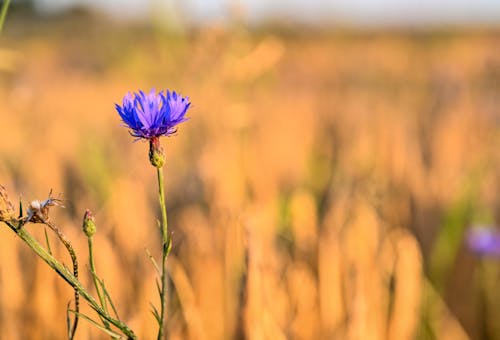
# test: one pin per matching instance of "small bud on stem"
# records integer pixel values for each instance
(89, 227)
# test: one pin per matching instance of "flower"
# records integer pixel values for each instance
(153, 115)
(484, 241)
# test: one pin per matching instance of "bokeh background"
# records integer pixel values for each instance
(335, 158)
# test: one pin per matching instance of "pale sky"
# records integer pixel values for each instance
(353, 12)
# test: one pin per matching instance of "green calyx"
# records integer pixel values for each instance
(156, 153)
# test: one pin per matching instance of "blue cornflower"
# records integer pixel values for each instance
(152, 115)
(484, 241)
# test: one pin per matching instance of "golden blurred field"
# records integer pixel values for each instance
(321, 189)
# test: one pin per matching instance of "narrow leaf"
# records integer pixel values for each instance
(157, 268)
(99, 281)
(108, 297)
(68, 321)
(3, 13)
(20, 208)
(158, 287)
(98, 325)
(47, 241)
(155, 313)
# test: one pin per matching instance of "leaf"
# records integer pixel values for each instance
(68, 321)
(96, 324)
(158, 287)
(108, 297)
(71, 328)
(99, 281)
(3, 13)
(47, 241)
(155, 313)
(20, 208)
(154, 262)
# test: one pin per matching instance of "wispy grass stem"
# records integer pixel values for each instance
(68, 276)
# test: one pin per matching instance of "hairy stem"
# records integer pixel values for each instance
(166, 250)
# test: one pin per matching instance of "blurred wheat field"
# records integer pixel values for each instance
(320, 190)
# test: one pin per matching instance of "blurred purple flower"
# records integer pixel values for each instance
(153, 115)
(484, 241)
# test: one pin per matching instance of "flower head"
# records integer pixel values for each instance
(154, 114)
(484, 241)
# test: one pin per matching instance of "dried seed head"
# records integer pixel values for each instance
(89, 227)
(7, 212)
(38, 211)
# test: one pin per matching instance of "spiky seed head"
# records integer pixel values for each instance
(7, 212)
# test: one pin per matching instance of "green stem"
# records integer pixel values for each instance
(96, 283)
(69, 278)
(166, 250)
(3, 14)
(74, 260)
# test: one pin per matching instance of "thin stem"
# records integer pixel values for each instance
(74, 260)
(67, 276)
(166, 250)
(96, 283)
(3, 13)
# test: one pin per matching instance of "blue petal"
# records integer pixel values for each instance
(153, 114)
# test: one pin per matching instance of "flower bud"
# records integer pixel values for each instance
(156, 153)
(89, 227)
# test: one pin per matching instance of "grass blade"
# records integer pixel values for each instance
(3, 14)
(98, 325)
(68, 321)
(20, 208)
(47, 241)
(108, 297)
(154, 262)
(155, 313)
